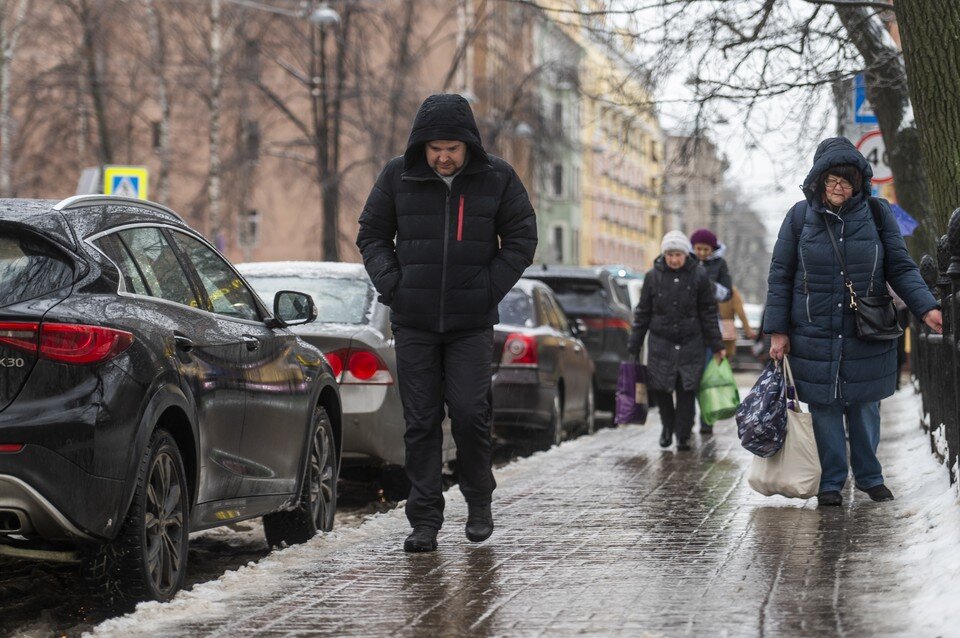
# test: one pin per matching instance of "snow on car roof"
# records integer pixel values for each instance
(302, 269)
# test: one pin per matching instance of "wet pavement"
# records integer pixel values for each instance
(610, 535)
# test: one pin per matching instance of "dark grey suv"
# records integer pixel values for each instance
(147, 392)
(591, 295)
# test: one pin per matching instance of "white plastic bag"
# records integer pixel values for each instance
(794, 471)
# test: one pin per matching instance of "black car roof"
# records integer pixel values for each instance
(38, 215)
(545, 271)
(85, 215)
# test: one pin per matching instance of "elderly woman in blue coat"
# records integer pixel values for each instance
(841, 378)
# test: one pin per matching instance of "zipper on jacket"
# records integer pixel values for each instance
(446, 233)
(443, 264)
(806, 286)
(876, 256)
(460, 222)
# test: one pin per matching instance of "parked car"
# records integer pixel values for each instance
(353, 331)
(146, 392)
(542, 372)
(591, 294)
(628, 280)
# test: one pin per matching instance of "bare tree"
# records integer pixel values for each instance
(9, 35)
(158, 46)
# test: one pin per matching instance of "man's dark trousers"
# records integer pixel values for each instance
(434, 368)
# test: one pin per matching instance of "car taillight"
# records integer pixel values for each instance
(359, 367)
(65, 342)
(22, 336)
(335, 359)
(10, 447)
(519, 349)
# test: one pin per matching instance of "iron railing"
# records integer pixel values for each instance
(935, 359)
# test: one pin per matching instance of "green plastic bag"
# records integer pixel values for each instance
(718, 396)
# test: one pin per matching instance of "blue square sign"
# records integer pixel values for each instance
(862, 111)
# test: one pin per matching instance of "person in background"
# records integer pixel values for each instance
(710, 253)
(678, 309)
(728, 310)
(808, 315)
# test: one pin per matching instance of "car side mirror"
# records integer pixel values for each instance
(579, 327)
(294, 308)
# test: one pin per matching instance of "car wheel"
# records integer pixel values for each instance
(148, 558)
(318, 496)
(590, 418)
(554, 433)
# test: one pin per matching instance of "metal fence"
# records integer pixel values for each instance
(935, 359)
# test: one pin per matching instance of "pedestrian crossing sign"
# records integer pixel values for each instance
(125, 181)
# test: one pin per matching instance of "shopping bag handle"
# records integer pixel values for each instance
(790, 383)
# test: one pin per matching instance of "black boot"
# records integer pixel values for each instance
(880, 493)
(683, 445)
(421, 539)
(829, 499)
(479, 523)
(666, 437)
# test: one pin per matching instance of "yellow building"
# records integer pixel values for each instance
(623, 163)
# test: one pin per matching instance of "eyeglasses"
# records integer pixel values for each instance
(832, 182)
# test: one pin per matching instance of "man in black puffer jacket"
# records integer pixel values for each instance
(446, 232)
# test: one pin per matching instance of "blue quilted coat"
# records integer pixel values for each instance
(806, 297)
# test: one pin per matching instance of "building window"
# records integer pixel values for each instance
(556, 240)
(250, 227)
(251, 140)
(653, 153)
(156, 130)
(558, 115)
(558, 180)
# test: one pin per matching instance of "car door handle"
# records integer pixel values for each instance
(184, 344)
(252, 343)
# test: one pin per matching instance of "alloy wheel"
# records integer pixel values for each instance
(322, 479)
(163, 524)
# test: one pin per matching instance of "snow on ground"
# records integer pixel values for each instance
(926, 503)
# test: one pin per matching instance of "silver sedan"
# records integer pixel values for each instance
(353, 331)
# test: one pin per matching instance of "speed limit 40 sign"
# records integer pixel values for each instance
(871, 146)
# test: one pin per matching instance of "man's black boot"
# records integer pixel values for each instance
(479, 523)
(421, 539)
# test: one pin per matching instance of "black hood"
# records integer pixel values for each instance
(831, 152)
(444, 116)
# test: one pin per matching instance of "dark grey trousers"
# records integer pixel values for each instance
(445, 369)
(678, 419)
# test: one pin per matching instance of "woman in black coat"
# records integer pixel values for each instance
(678, 309)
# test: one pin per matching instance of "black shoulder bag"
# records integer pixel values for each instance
(876, 315)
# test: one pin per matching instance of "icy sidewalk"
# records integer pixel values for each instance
(610, 535)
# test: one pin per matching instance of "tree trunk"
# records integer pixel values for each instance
(889, 96)
(216, 90)
(931, 49)
(158, 62)
(91, 32)
(8, 49)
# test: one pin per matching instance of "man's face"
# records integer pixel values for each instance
(446, 156)
(703, 251)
